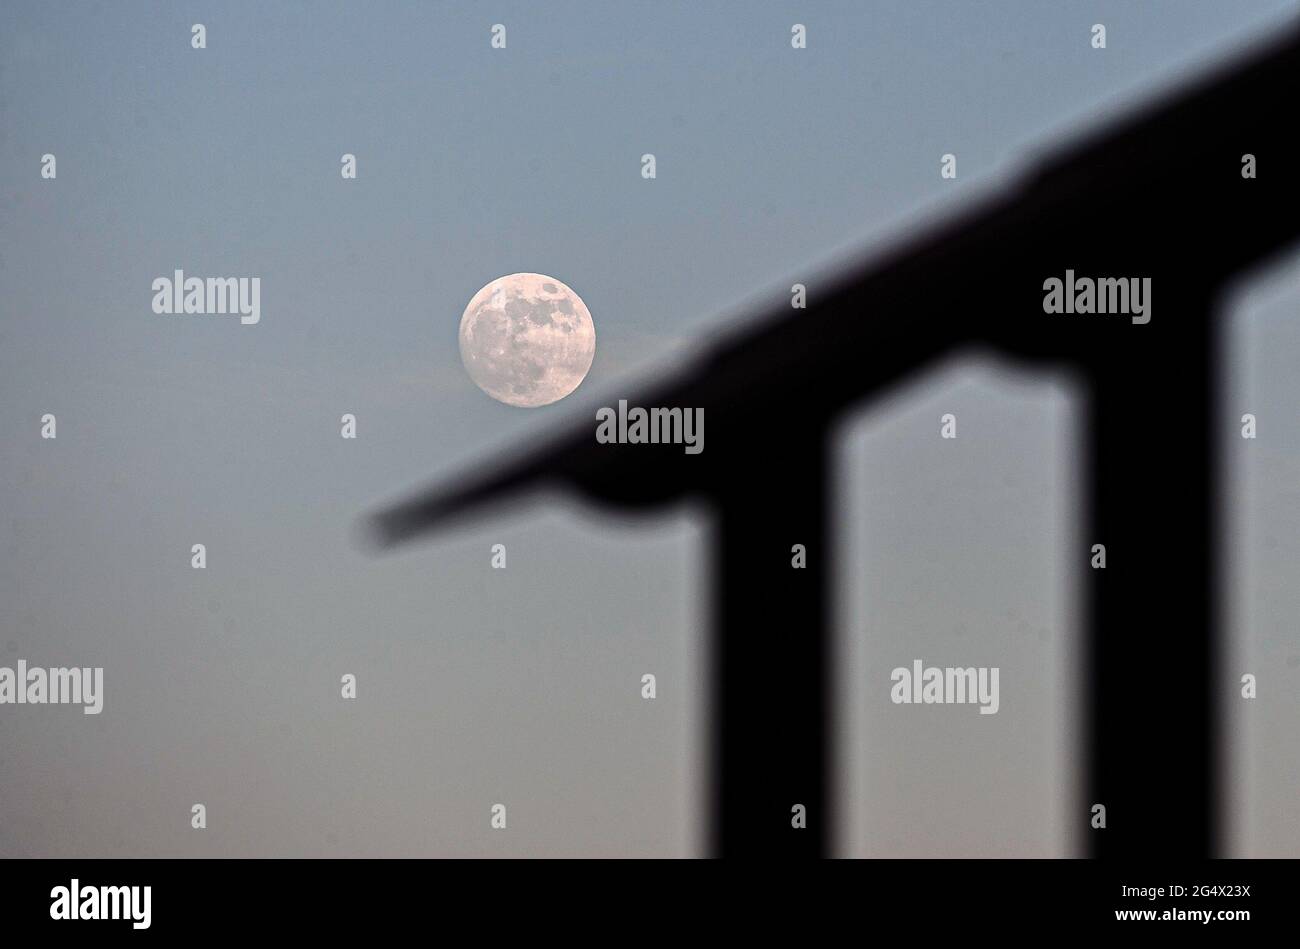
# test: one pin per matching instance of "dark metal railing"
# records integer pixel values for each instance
(1162, 196)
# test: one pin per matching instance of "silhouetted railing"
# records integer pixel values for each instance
(1162, 197)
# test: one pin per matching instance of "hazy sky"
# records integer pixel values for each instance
(521, 686)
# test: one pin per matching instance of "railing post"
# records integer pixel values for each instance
(1152, 612)
(771, 699)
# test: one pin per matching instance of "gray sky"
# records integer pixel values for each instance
(519, 686)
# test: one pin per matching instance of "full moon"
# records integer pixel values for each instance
(527, 339)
